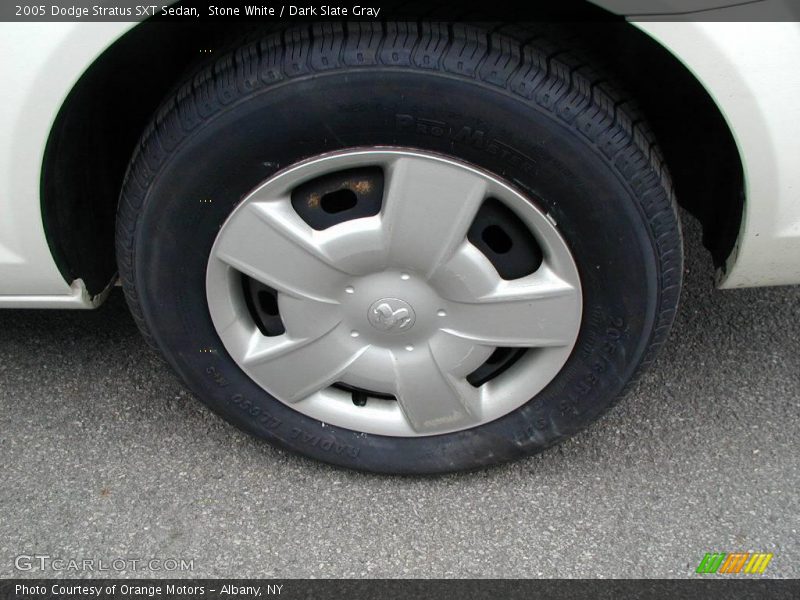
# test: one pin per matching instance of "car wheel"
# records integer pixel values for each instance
(406, 249)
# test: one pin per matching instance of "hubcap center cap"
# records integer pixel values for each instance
(391, 315)
(391, 309)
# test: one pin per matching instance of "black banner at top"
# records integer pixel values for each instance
(386, 10)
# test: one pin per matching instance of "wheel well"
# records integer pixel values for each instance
(698, 146)
(95, 133)
(101, 120)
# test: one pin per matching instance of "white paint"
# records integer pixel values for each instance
(40, 64)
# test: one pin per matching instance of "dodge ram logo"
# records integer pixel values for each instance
(391, 314)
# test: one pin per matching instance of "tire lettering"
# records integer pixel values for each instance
(261, 416)
(327, 444)
(475, 138)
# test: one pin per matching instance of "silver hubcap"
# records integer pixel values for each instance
(400, 303)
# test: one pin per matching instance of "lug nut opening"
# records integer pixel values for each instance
(497, 239)
(338, 201)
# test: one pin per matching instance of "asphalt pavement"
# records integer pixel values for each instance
(106, 456)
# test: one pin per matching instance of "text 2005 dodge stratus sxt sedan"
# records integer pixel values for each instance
(399, 247)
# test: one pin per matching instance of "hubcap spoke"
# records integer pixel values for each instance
(308, 319)
(270, 243)
(292, 369)
(432, 399)
(428, 208)
(537, 311)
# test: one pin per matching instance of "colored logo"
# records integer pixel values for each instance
(734, 563)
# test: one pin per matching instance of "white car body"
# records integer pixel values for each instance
(749, 69)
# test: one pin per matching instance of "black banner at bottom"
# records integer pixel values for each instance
(390, 589)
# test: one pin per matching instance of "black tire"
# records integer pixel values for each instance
(526, 112)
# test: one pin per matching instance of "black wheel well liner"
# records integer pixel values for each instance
(100, 122)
